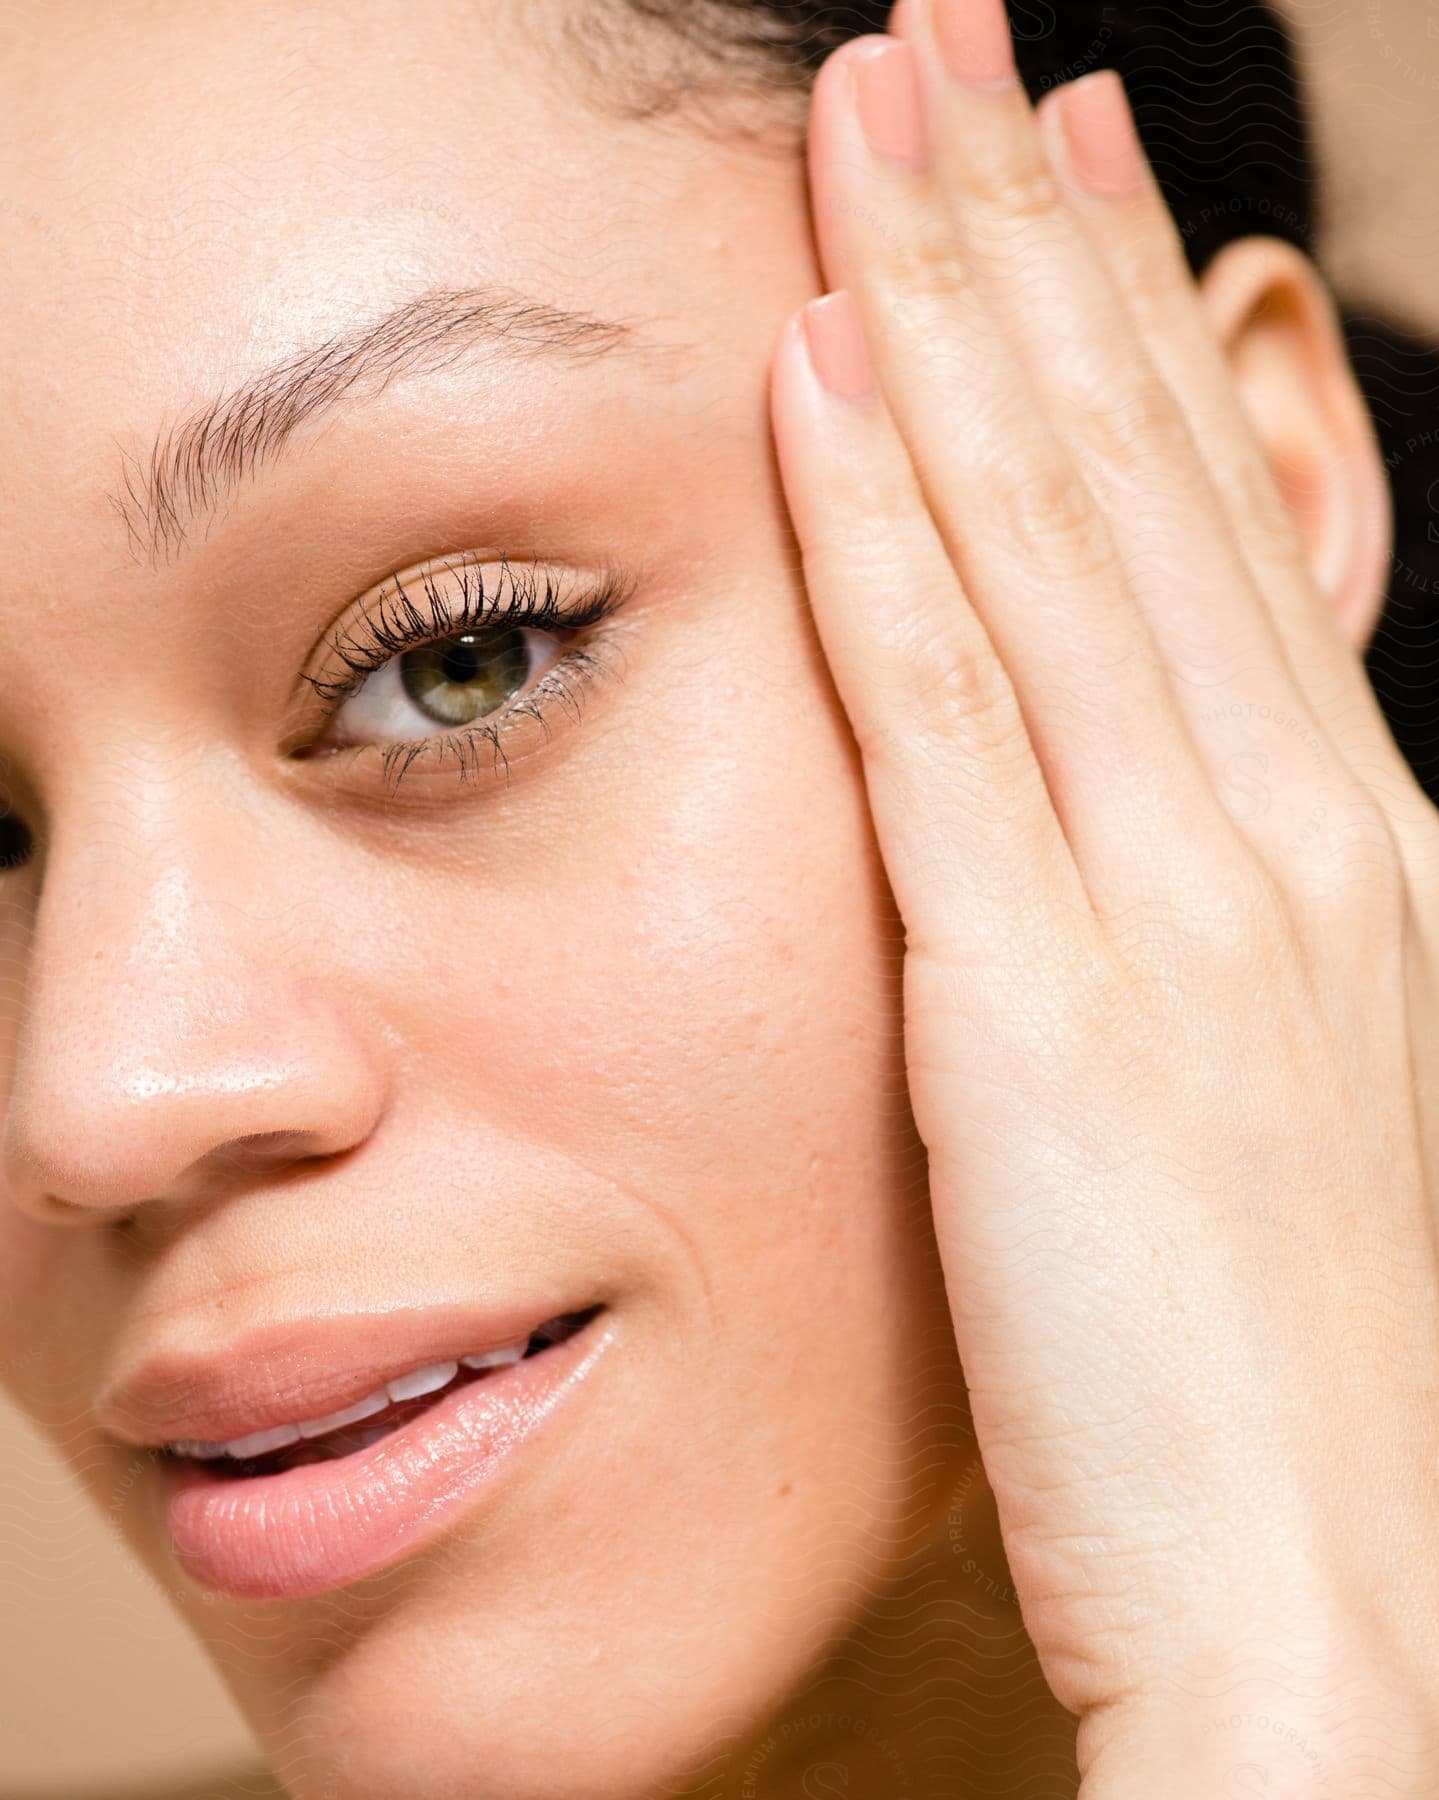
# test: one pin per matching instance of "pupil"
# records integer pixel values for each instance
(458, 662)
(462, 678)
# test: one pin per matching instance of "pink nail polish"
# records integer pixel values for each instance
(887, 97)
(836, 345)
(1103, 147)
(974, 40)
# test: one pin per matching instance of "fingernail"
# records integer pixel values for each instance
(886, 93)
(974, 40)
(836, 345)
(1102, 145)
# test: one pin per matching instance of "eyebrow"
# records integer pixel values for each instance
(195, 464)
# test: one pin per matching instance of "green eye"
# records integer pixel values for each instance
(446, 685)
(435, 671)
(462, 678)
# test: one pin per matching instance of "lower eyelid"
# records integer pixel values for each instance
(480, 752)
(577, 615)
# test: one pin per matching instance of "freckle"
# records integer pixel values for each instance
(784, 1491)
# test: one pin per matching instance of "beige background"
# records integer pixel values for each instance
(1373, 73)
(100, 1691)
(101, 1694)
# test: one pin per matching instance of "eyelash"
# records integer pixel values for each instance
(398, 623)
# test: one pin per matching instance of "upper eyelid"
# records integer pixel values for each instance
(539, 594)
(535, 590)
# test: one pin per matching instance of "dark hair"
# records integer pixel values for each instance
(1217, 101)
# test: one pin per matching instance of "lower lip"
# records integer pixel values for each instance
(318, 1527)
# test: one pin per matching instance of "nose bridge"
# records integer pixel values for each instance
(169, 1012)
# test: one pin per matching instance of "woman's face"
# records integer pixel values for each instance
(288, 314)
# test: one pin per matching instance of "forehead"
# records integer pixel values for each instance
(175, 134)
(199, 190)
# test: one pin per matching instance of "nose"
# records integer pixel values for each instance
(176, 1029)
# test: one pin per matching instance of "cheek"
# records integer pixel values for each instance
(55, 1312)
(703, 1009)
(698, 985)
(701, 1004)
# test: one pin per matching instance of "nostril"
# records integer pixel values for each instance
(55, 1210)
(261, 1150)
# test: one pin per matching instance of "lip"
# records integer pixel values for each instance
(301, 1368)
(320, 1526)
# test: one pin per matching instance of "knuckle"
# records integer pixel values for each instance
(1002, 198)
(957, 694)
(1145, 426)
(1346, 864)
(1223, 926)
(970, 699)
(1048, 512)
(870, 543)
(1243, 923)
(928, 271)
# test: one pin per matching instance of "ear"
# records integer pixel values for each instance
(1281, 332)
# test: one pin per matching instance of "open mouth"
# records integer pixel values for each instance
(307, 1506)
(350, 1438)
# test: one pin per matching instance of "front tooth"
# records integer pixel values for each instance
(495, 1359)
(422, 1381)
(260, 1443)
(361, 1409)
(403, 1387)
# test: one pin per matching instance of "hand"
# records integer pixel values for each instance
(1166, 1056)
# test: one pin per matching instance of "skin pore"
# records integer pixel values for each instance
(625, 1029)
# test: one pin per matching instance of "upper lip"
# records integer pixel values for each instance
(302, 1368)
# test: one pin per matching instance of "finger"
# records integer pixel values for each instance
(1119, 206)
(1066, 320)
(969, 837)
(1020, 527)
